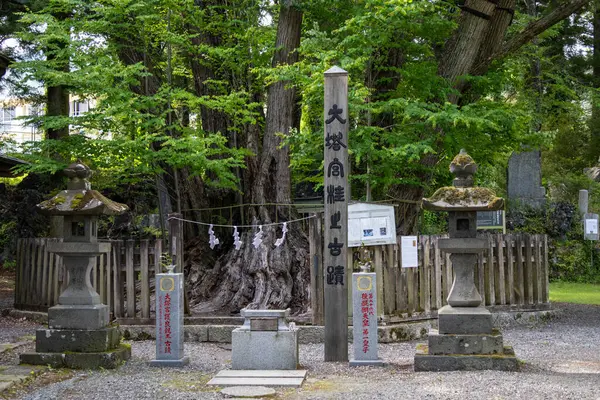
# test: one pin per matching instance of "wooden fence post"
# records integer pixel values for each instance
(315, 236)
(176, 251)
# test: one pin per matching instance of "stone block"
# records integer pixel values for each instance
(465, 343)
(470, 320)
(63, 340)
(465, 362)
(195, 333)
(311, 334)
(78, 316)
(170, 363)
(55, 360)
(107, 360)
(220, 333)
(264, 350)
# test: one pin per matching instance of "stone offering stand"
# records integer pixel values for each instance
(466, 339)
(79, 334)
(265, 342)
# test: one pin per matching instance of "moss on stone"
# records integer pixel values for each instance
(462, 159)
(454, 195)
(76, 202)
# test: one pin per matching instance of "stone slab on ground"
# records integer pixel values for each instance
(286, 378)
(182, 362)
(11, 346)
(15, 374)
(248, 391)
(465, 362)
(108, 360)
(465, 344)
(367, 363)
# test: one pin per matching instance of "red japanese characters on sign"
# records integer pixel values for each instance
(167, 323)
(367, 311)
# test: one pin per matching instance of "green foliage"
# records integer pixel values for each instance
(397, 120)
(149, 128)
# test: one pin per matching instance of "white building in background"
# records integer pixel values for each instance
(12, 125)
(12, 128)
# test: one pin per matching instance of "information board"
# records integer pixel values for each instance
(590, 226)
(371, 225)
(490, 219)
(409, 252)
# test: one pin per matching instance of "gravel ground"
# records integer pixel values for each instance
(562, 361)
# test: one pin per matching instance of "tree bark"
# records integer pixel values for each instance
(266, 276)
(526, 35)
(594, 152)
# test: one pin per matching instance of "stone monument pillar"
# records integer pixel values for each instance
(79, 334)
(525, 179)
(169, 320)
(364, 318)
(465, 339)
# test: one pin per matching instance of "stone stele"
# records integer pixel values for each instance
(169, 321)
(364, 320)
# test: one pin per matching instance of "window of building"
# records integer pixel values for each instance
(7, 115)
(79, 107)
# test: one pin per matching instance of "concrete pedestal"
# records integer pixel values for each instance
(264, 350)
(82, 360)
(77, 348)
(468, 320)
(465, 362)
(88, 317)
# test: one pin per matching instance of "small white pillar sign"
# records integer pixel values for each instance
(364, 319)
(169, 321)
(590, 226)
(409, 251)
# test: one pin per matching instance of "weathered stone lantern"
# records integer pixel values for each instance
(79, 334)
(465, 339)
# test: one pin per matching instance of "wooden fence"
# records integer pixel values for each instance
(511, 274)
(124, 278)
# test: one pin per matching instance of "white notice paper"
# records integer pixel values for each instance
(591, 226)
(410, 256)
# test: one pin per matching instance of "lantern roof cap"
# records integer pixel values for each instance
(79, 198)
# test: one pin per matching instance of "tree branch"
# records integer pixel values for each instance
(532, 30)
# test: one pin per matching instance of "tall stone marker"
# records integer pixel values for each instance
(336, 215)
(169, 320)
(364, 319)
(525, 179)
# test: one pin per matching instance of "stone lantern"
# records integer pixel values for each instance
(79, 334)
(465, 338)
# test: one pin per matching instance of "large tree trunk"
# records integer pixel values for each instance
(267, 276)
(595, 119)
(57, 96)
